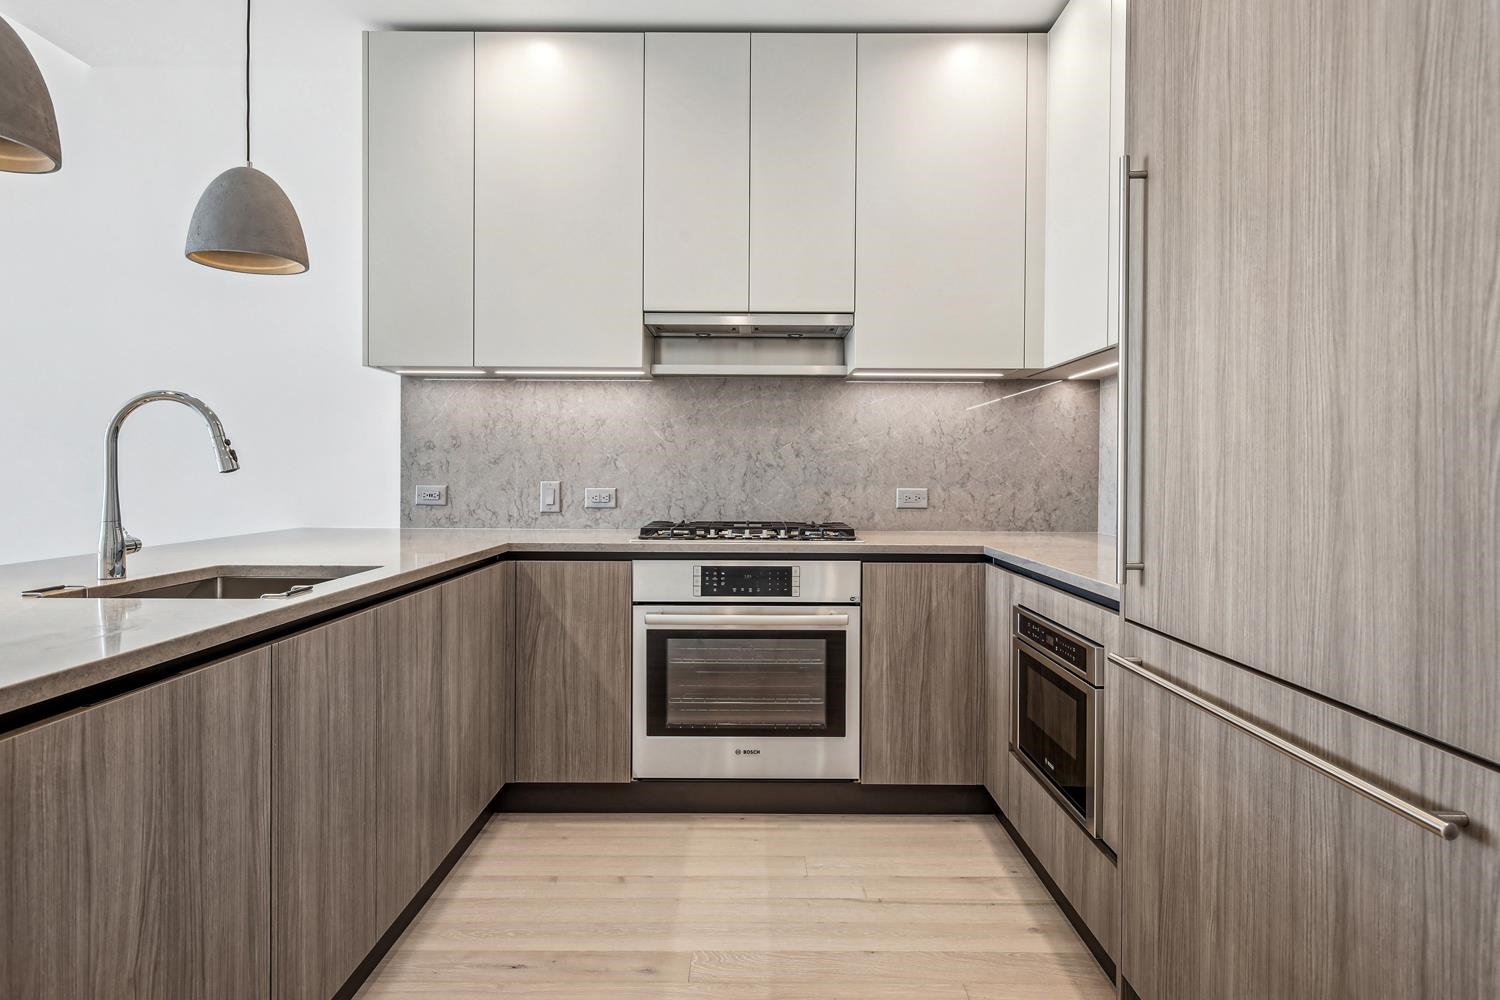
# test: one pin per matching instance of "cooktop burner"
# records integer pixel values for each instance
(753, 531)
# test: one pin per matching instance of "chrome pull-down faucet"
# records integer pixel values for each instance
(115, 543)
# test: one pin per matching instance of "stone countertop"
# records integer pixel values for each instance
(55, 646)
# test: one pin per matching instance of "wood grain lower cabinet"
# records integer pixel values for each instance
(1083, 870)
(1246, 874)
(997, 681)
(388, 742)
(133, 844)
(922, 673)
(573, 655)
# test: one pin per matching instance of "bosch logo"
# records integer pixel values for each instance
(740, 753)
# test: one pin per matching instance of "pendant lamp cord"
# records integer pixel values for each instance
(247, 81)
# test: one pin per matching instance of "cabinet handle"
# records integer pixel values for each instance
(1132, 384)
(1443, 824)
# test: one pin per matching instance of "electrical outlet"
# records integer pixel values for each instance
(596, 497)
(911, 498)
(431, 496)
(551, 496)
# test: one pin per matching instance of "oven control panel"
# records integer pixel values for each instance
(747, 581)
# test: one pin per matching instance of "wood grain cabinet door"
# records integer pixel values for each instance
(389, 741)
(996, 723)
(133, 861)
(573, 659)
(1247, 875)
(922, 673)
(1321, 394)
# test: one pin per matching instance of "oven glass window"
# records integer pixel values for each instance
(738, 683)
(1053, 731)
(752, 683)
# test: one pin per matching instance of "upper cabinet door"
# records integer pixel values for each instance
(1081, 181)
(802, 119)
(697, 172)
(419, 198)
(557, 238)
(1320, 378)
(941, 255)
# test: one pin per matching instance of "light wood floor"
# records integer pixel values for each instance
(722, 907)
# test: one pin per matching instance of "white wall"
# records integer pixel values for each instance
(97, 303)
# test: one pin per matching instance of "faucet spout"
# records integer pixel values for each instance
(115, 543)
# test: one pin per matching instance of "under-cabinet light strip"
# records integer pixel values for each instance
(930, 376)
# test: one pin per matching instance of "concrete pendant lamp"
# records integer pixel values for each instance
(244, 221)
(28, 126)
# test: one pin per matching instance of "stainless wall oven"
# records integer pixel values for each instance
(746, 669)
(1056, 688)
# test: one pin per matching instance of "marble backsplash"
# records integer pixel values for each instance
(806, 449)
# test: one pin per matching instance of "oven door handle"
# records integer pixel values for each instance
(761, 621)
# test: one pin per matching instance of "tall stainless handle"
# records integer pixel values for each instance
(765, 621)
(1442, 824)
(1132, 386)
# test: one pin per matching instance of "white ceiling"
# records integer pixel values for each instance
(208, 32)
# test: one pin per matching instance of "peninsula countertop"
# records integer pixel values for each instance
(51, 647)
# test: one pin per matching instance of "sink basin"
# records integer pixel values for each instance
(219, 583)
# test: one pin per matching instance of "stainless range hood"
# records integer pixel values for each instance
(793, 326)
(716, 344)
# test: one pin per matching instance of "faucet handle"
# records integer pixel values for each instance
(132, 544)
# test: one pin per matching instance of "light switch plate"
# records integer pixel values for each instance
(551, 496)
(431, 496)
(911, 498)
(599, 497)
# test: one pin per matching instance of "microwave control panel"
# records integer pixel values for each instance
(747, 581)
(1072, 653)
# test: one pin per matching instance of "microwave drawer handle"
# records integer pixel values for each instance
(765, 621)
(1443, 824)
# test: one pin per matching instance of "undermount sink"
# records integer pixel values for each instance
(218, 583)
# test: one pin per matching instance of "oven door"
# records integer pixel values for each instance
(1055, 730)
(746, 692)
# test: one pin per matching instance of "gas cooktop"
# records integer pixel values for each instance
(748, 531)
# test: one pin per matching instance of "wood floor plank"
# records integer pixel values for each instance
(930, 866)
(1023, 934)
(488, 968)
(1039, 972)
(718, 907)
(459, 912)
(673, 991)
(632, 864)
(616, 887)
(1011, 888)
(1098, 989)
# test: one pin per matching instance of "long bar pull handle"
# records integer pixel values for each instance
(1442, 824)
(763, 621)
(1132, 326)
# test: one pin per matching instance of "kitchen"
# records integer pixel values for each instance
(949, 500)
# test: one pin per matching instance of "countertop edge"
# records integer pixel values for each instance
(206, 644)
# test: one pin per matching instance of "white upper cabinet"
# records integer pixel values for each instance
(941, 251)
(419, 198)
(802, 122)
(697, 172)
(1084, 143)
(558, 204)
